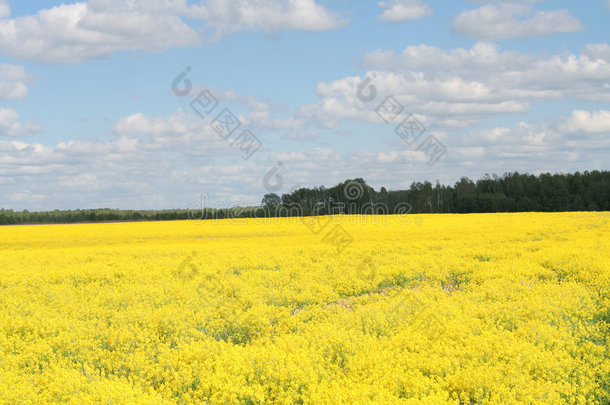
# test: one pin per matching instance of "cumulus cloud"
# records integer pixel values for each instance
(77, 32)
(511, 75)
(13, 82)
(180, 132)
(403, 10)
(11, 126)
(164, 162)
(514, 21)
(580, 132)
(460, 87)
(137, 124)
(149, 161)
(268, 16)
(565, 143)
(597, 122)
(450, 102)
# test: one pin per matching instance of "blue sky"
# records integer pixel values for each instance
(88, 118)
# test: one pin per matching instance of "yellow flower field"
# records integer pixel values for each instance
(432, 309)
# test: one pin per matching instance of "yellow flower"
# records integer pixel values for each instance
(480, 308)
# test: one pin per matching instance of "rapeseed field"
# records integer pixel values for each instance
(417, 309)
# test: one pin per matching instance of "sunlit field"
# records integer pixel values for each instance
(433, 309)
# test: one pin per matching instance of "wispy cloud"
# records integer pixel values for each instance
(78, 32)
(10, 125)
(403, 10)
(13, 80)
(514, 21)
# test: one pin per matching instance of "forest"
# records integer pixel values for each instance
(512, 192)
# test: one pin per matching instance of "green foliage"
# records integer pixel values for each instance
(513, 192)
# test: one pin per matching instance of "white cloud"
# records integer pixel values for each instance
(575, 142)
(155, 162)
(5, 9)
(509, 74)
(12, 82)
(403, 10)
(182, 132)
(137, 124)
(597, 122)
(600, 52)
(11, 126)
(451, 102)
(165, 162)
(263, 116)
(77, 32)
(151, 162)
(504, 21)
(465, 62)
(460, 87)
(227, 16)
(579, 132)
(72, 33)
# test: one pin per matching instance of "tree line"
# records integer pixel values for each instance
(512, 192)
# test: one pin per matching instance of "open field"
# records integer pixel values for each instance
(461, 309)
